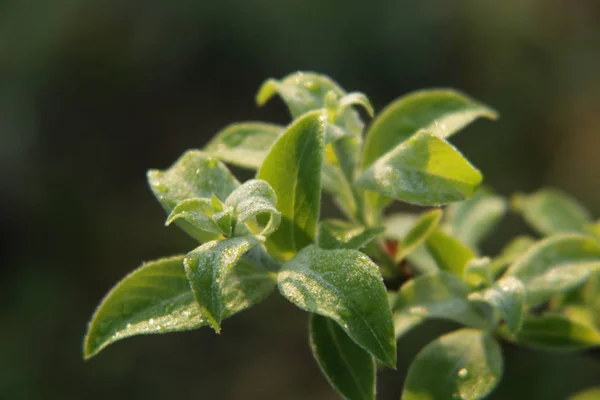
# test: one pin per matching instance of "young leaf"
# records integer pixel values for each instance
(356, 98)
(417, 234)
(346, 286)
(472, 220)
(293, 169)
(155, 298)
(194, 175)
(303, 92)
(508, 297)
(222, 281)
(197, 213)
(337, 234)
(244, 144)
(424, 170)
(556, 265)
(439, 111)
(396, 227)
(555, 332)
(450, 254)
(349, 369)
(465, 364)
(551, 211)
(253, 198)
(440, 295)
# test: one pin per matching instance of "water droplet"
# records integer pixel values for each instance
(151, 321)
(128, 326)
(191, 261)
(463, 373)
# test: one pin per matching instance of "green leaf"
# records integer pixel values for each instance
(293, 169)
(478, 272)
(212, 266)
(417, 234)
(396, 227)
(440, 295)
(587, 394)
(197, 213)
(450, 254)
(508, 297)
(424, 170)
(466, 364)
(348, 368)
(346, 286)
(439, 111)
(472, 220)
(511, 252)
(356, 98)
(306, 91)
(244, 144)
(252, 199)
(194, 175)
(551, 211)
(155, 298)
(555, 332)
(337, 234)
(556, 265)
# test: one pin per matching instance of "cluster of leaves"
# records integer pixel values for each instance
(266, 233)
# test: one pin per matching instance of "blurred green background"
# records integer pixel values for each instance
(93, 93)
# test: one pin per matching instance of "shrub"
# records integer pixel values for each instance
(266, 233)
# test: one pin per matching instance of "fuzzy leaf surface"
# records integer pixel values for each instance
(346, 286)
(465, 364)
(424, 170)
(293, 169)
(194, 175)
(304, 92)
(155, 298)
(221, 280)
(244, 144)
(440, 111)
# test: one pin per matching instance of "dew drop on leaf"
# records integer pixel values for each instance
(191, 261)
(151, 321)
(463, 373)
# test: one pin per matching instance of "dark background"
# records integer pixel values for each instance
(93, 93)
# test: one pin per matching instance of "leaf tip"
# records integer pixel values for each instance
(265, 92)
